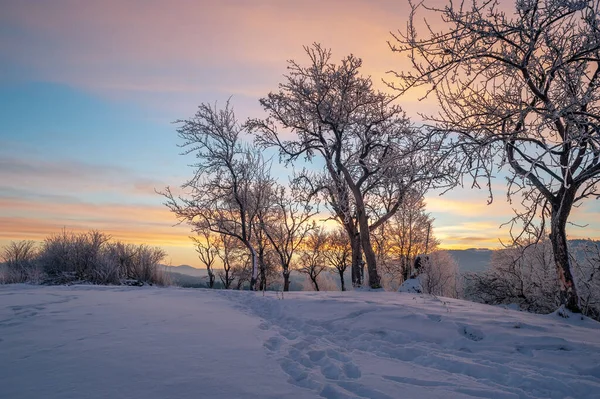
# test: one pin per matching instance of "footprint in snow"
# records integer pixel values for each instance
(273, 343)
(471, 333)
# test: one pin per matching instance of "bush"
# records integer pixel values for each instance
(67, 257)
(20, 260)
(521, 275)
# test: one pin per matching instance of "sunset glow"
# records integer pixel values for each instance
(88, 91)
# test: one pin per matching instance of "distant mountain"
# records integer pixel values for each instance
(187, 270)
(187, 281)
(472, 259)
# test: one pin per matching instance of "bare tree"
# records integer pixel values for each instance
(407, 234)
(228, 187)
(522, 90)
(335, 194)
(363, 139)
(287, 225)
(312, 261)
(338, 253)
(233, 260)
(207, 247)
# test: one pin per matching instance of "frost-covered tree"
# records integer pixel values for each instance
(312, 260)
(287, 224)
(587, 272)
(521, 89)
(332, 113)
(207, 247)
(230, 183)
(407, 234)
(338, 253)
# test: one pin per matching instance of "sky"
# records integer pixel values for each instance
(89, 91)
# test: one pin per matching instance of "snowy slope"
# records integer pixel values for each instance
(96, 342)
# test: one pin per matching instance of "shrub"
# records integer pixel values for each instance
(67, 257)
(20, 260)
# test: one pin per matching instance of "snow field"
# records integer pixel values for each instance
(131, 342)
(398, 345)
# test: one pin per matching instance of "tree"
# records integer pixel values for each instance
(287, 225)
(521, 274)
(233, 260)
(312, 261)
(364, 140)
(406, 235)
(338, 253)
(524, 91)
(207, 247)
(336, 196)
(230, 180)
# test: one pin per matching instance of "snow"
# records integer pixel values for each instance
(98, 342)
(412, 286)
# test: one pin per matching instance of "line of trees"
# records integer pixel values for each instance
(517, 93)
(373, 157)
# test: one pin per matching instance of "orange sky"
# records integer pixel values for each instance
(116, 73)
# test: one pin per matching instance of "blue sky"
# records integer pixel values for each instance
(88, 91)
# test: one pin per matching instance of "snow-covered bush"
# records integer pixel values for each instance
(67, 257)
(439, 275)
(521, 275)
(20, 262)
(587, 276)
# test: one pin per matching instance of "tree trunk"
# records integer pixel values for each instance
(211, 279)
(342, 279)
(286, 280)
(356, 259)
(365, 240)
(314, 280)
(227, 280)
(254, 267)
(558, 237)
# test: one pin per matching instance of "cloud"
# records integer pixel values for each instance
(40, 177)
(202, 47)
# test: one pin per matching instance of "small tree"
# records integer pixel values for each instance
(287, 225)
(338, 253)
(523, 90)
(231, 256)
(207, 247)
(312, 260)
(230, 181)
(407, 234)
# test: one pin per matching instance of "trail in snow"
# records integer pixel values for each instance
(99, 342)
(392, 345)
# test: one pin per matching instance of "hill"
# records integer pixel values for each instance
(98, 342)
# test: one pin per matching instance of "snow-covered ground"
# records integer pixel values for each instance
(125, 342)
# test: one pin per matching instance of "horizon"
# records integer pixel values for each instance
(89, 91)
